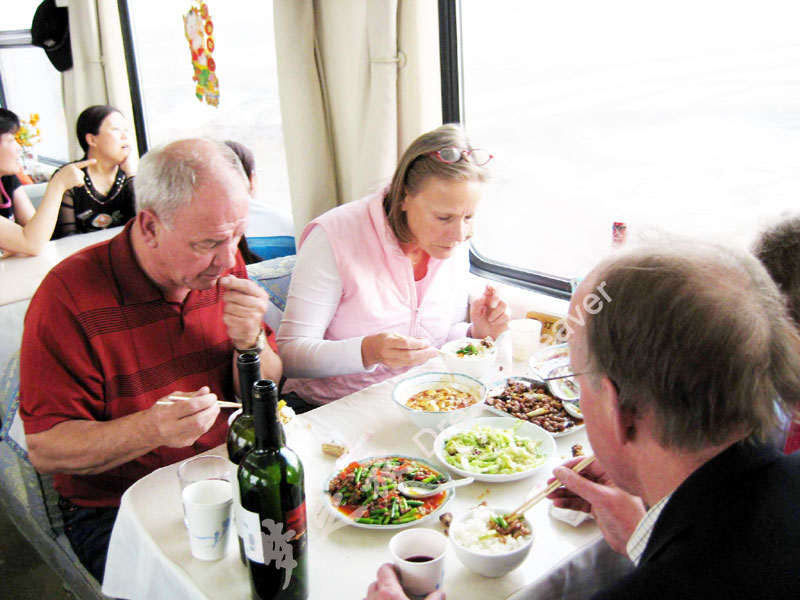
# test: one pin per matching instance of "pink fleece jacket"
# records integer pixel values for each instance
(379, 292)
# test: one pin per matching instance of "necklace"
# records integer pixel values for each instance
(116, 188)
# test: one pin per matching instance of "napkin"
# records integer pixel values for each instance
(572, 517)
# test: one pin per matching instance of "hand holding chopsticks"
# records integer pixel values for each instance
(528, 504)
(177, 397)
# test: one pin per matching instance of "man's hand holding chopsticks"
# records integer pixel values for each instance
(179, 424)
(592, 491)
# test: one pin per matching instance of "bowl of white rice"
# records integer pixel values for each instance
(480, 547)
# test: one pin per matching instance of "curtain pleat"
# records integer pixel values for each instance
(338, 63)
(98, 74)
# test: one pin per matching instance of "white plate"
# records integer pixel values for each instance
(578, 424)
(523, 429)
(343, 517)
(548, 358)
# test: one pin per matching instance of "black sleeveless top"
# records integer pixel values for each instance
(84, 209)
(10, 184)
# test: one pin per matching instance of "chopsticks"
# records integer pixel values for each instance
(528, 504)
(178, 397)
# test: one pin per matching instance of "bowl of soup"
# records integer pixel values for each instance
(430, 399)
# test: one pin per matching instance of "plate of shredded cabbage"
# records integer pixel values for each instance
(494, 449)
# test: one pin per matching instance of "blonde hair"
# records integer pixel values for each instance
(418, 164)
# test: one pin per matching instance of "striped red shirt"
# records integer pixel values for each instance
(101, 342)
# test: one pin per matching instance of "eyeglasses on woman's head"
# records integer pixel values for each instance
(451, 155)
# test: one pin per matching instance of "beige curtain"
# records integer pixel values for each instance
(98, 74)
(358, 81)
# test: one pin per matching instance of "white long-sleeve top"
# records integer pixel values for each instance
(314, 295)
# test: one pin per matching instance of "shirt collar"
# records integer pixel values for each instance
(133, 283)
(641, 535)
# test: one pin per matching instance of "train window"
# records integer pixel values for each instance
(29, 83)
(32, 85)
(244, 57)
(19, 14)
(680, 117)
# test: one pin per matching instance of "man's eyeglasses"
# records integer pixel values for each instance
(452, 155)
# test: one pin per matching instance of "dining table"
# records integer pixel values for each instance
(20, 276)
(149, 555)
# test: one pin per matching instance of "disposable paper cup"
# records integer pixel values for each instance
(208, 513)
(525, 334)
(200, 468)
(419, 559)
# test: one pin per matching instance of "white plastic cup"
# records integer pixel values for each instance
(200, 468)
(419, 559)
(208, 513)
(525, 335)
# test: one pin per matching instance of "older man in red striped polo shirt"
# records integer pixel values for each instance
(163, 307)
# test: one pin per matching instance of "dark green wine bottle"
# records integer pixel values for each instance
(242, 432)
(273, 506)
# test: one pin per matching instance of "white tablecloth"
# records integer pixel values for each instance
(149, 555)
(21, 275)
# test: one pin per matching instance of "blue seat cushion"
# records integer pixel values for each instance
(274, 276)
(272, 246)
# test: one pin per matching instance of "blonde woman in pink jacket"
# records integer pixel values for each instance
(381, 282)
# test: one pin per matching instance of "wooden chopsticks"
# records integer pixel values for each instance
(178, 397)
(528, 504)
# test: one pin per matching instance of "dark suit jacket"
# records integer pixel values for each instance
(730, 531)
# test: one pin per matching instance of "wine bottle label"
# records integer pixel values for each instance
(237, 501)
(269, 542)
(296, 520)
(251, 534)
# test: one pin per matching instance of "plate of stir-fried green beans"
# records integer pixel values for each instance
(364, 493)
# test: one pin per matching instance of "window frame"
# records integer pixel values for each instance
(452, 74)
(137, 103)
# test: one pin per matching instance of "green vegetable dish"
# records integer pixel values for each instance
(488, 450)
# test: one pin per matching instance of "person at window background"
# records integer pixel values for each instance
(248, 161)
(106, 198)
(380, 282)
(23, 229)
(163, 307)
(678, 374)
(778, 249)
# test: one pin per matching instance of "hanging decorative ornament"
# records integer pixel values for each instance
(199, 32)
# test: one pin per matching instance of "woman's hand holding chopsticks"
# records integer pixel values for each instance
(592, 491)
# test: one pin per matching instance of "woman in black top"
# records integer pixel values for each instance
(106, 199)
(24, 230)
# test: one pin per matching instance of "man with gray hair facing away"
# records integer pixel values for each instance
(679, 374)
(162, 308)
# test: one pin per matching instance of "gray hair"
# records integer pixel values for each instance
(778, 249)
(169, 174)
(698, 337)
(418, 164)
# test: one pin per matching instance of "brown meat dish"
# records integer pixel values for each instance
(530, 401)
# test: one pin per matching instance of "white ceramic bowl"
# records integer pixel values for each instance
(482, 562)
(523, 429)
(475, 366)
(434, 380)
